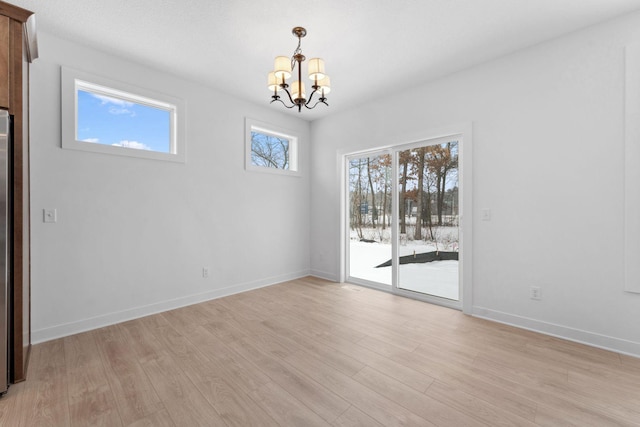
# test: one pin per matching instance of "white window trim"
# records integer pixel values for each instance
(631, 170)
(278, 132)
(74, 80)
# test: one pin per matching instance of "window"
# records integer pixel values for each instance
(269, 149)
(110, 117)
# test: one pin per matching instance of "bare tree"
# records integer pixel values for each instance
(269, 151)
(440, 162)
(374, 212)
(355, 190)
(419, 170)
(427, 211)
(385, 165)
(405, 157)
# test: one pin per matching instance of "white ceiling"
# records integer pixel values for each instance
(371, 47)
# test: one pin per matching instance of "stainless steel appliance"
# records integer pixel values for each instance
(5, 146)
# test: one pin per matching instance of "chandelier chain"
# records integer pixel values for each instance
(298, 51)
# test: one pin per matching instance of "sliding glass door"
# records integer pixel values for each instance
(428, 242)
(403, 219)
(369, 201)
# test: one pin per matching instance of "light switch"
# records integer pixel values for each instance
(50, 215)
(486, 214)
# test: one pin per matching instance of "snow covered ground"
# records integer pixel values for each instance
(438, 278)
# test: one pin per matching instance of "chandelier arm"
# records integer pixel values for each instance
(319, 101)
(278, 99)
(288, 94)
(315, 89)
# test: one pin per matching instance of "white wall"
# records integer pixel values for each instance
(133, 235)
(548, 160)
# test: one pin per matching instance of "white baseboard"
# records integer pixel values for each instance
(605, 342)
(63, 330)
(630, 348)
(324, 275)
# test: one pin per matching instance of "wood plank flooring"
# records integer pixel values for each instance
(315, 353)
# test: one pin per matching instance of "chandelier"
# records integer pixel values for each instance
(284, 66)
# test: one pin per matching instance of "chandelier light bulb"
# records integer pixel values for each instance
(316, 68)
(273, 83)
(297, 91)
(282, 67)
(325, 85)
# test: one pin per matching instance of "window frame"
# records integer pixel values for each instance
(252, 125)
(73, 81)
(631, 172)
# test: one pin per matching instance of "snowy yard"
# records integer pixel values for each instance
(438, 278)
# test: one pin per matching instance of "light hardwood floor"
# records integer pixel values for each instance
(315, 353)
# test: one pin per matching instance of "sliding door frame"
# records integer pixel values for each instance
(345, 214)
(460, 132)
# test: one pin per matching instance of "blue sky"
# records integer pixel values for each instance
(113, 121)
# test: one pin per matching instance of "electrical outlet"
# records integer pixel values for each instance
(49, 215)
(205, 272)
(535, 293)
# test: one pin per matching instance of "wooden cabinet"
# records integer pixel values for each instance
(17, 50)
(5, 26)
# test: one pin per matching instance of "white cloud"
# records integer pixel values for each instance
(117, 111)
(132, 144)
(94, 140)
(116, 106)
(109, 100)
